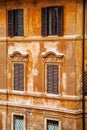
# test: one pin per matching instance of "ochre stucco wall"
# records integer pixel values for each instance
(34, 102)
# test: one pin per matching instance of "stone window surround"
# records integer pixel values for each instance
(52, 57)
(17, 57)
(51, 118)
(18, 114)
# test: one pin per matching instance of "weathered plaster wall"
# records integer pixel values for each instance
(34, 102)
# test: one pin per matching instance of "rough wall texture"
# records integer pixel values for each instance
(34, 103)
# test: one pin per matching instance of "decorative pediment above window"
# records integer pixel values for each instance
(52, 56)
(17, 56)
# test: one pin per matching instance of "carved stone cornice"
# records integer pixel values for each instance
(52, 56)
(18, 57)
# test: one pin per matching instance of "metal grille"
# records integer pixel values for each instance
(18, 122)
(85, 83)
(52, 125)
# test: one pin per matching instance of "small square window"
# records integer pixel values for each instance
(18, 122)
(52, 125)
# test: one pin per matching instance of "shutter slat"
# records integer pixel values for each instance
(19, 77)
(49, 79)
(55, 79)
(10, 23)
(52, 79)
(44, 22)
(60, 20)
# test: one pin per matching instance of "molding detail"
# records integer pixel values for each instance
(16, 56)
(52, 56)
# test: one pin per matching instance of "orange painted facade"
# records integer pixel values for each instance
(36, 52)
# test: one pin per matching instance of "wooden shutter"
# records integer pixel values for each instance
(85, 83)
(52, 79)
(60, 21)
(10, 23)
(20, 22)
(55, 79)
(44, 22)
(19, 77)
(18, 26)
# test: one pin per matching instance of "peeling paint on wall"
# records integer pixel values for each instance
(17, 48)
(51, 46)
(32, 47)
(64, 80)
(69, 51)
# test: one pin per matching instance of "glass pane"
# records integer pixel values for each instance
(52, 125)
(18, 122)
(53, 14)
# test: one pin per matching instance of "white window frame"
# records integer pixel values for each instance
(18, 114)
(53, 119)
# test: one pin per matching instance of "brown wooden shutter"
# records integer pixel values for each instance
(19, 77)
(44, 22)
(55, 79)
(10, 23)
(85, 83)
(52, 79)
(20, 22)
(60, 21)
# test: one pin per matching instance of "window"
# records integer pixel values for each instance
(53, 71)
(19, 70)
(52, 125)
(15, 22)
(85, 83)
(18, 122)
(19, 77)
(52, 79)
(52, 21)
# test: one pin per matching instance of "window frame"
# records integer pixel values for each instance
(53, 119)
(18, 114)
